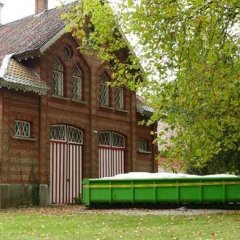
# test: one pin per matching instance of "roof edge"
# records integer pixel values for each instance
(9, 84)
(22, 87)
(52, 40)
(4, 66)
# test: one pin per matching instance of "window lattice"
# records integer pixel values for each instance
(143, 145)
(118, 140)
(105, 138)
(119, 98)
(57, 78)
(22, 129)
(77, 84)
(104, 90)
(111, 139)
(58, 132)
(74, 135)
(66, 133)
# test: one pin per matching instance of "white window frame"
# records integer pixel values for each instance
(119, 98)
(77, 84)
(104, 91)
(57, 78)
(22, 129)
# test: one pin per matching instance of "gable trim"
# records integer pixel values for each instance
(52, 40)
(4, 66)
(18, 83)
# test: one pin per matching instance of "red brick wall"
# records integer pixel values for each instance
(146, 161)
(88, 115)
(20, 157)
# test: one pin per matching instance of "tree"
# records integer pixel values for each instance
(190, 53)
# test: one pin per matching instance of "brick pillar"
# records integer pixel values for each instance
(1, 133)
(40, 5)
(132, 142)
(5, 165)
(1, 6)
(44, 146)
(93, 166)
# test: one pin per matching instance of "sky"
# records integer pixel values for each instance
(16, 9)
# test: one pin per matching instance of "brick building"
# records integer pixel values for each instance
(59, 120)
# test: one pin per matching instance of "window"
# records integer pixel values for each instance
(66, 134)
(58, 132)
(22, 129)
(119, 98)
(143, 145)
(68, 51)
(77, 84)
(111, 139)
(104, 90)
(57, 78)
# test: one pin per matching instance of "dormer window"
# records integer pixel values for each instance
(104, 90)
(77, 84)
(57, 78)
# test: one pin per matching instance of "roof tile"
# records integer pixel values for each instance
(21, 78)
(30, 33)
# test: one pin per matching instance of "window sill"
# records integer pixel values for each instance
(25, 138)
(60, 97)
(144, 152)
(121, 110)
(78, 101)
(107, 108)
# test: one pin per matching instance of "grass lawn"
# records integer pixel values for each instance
(49, 223)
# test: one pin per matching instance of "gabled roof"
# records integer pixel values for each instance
(30, 37)
(27, 37)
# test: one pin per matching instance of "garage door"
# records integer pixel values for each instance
(65, 163)
(111, 154)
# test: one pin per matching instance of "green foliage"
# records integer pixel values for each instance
(195, 40)
(94, 24)
(196, 43)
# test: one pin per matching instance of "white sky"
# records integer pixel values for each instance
(16, 9)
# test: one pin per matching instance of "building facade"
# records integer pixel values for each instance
(60, 121)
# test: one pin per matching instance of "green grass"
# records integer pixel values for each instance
(45, 224)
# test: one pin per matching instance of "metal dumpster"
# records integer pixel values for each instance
(201, 190)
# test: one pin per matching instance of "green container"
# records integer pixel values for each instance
(199, 190)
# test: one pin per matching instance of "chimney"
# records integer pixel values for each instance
(1, 6)
(40, 5)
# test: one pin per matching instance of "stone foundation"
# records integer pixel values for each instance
(17, 195)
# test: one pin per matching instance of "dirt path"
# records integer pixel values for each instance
(79, 209)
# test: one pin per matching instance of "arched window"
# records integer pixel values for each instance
(111, 139)
(57, 78)
(77, 84)
(104, 90)
(66, 134)
(119, 98)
